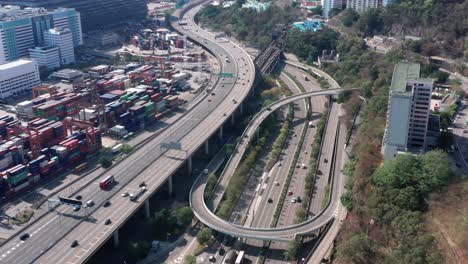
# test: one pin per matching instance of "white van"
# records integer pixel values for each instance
(89, 203)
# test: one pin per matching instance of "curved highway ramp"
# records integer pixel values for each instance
(206, 216)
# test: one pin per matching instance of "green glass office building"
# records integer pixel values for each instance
(22, 29)
(95, 14)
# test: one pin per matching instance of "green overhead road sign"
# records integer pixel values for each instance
(225, 75)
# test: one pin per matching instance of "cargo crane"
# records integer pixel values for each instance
(40, 89)
(88, 127)
(161, 61)
(95, 102)
(33, 137)
(148, 78)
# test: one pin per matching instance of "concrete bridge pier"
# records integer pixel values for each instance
(233, 119)
(170, 187)
(116, 239)
(189, 165)
(207, 147)
(221, 133)
(147, 208)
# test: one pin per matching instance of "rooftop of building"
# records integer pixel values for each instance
(404, 71)
(68, 72)
(15, 63)
(59, 31)
(12, 12)
(44, 48)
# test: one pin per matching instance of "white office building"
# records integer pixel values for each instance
(364, 5)
(63, 39)
(47, 57)
(18, 77)
(408, 111)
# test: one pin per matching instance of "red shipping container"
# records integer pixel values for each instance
(13, 149)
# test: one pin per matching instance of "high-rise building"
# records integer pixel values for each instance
(18, 77)
(96, 14)
(363, 5)
(22, 29)
(328, 5)
(47, 57)
(63, 39)
(408, 111)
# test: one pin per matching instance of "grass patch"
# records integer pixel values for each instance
(326, 198)
(314, 155)
(277, 213)
(23, 216)
(280, 140)
(238, 181)
(295, 81)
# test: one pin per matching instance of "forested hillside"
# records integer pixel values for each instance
(442, 24)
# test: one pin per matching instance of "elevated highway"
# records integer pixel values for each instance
(284, 233)
(52, 233)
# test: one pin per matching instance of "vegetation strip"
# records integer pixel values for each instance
(288, 179)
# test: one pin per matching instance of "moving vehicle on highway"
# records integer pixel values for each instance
(106, 182)
(24, 236)
(240, 257)
(89, 203)
(230, 258)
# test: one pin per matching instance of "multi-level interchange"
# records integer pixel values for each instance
(51, 232)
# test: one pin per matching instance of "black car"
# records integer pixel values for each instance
(107, 222)
(107, 203)
(79, 197)
(142, 184)
(76, 208)
(24, 236)
(74, 244)
(221, 251)
(270, 200)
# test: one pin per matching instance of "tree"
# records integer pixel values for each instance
(371, 22)
(317, 11)
(138, 250)
(184, 216)
(293, 248)
(162, 224)
(343, 96)
(105, 162)
(190, 259)
(436, 171)
(126, 149)
(333, 12)
(205, 236)
(358, 249)
(349, 17)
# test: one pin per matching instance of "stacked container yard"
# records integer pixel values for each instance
(58, 108)
(24, 110)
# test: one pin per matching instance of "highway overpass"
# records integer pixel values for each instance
(285, 233)
(52, 233)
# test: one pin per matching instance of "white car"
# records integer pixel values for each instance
(125, 194)
(293, 200)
